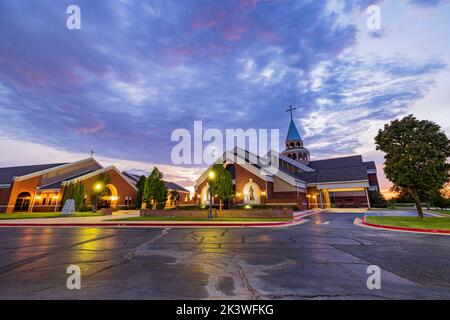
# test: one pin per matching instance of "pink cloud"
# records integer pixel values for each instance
(207, 19)
(235, 32)
(250, 3)
(89, 130)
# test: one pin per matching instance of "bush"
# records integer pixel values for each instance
(190, 207)
(131, 207)
(160, 205)
(266, 207)
(85, 208)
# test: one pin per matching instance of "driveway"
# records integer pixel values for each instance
(325, 258)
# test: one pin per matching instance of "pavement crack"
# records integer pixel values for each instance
(254, 295)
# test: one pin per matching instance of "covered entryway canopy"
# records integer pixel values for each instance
(343, 195)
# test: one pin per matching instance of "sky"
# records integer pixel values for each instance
(138, 70)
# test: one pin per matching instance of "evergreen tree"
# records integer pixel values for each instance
(222, 184)
(155, 191)
(75, 191)
(174, 196)
(140, 194)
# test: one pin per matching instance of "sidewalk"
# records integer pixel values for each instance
(109, 221)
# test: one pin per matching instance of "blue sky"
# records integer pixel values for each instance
(137, 70)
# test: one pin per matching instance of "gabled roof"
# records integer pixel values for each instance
(132, 176)
(293, 134)
(169, 185)
(340, 169)
(174, 186)
(97, 172)
(7, 174)
(334, 163)
(370, 165)
(57, 184)
(55, 168)
(344, 174)
(259, 166)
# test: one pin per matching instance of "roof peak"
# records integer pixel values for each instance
(293, 134)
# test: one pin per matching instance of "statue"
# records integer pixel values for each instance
(251, 194)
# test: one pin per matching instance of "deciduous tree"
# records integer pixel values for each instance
(222, 184)
(416, 153)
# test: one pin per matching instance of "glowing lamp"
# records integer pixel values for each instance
(98, 186)
(211, 175)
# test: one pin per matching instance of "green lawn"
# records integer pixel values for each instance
(441, 211)
(412, 222)
(200, 219)
(40, 215)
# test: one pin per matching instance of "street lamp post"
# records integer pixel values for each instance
(211, 192)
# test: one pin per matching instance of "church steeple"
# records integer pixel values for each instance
(293, 134)
(294, 143)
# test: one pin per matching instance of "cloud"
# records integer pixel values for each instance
(137, 70)
(354, 96)
(429, 3)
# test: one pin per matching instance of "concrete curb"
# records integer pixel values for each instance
(404, 229)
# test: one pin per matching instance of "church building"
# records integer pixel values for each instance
(41, 188)
(298, 181)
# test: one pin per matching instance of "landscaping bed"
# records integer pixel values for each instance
(217, 214)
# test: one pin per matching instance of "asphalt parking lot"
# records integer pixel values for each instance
(324, 258)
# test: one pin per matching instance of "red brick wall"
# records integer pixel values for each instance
(17, 187)
(289, 197)
(124, 189)
(242, 177)
(4, 198)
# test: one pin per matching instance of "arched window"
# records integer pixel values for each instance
(294, 156)
(298, 144)
(289, 155)
(292, 144)
(23, 202)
